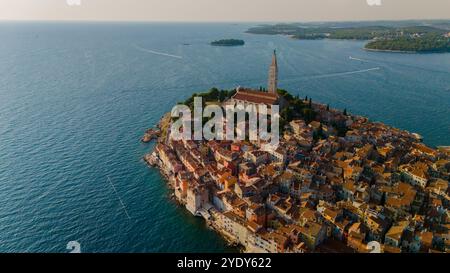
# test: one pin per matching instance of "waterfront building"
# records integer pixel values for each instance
(235, 226)
(196, 198)
(268, 242)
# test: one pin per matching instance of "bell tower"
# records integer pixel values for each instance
(273, 75)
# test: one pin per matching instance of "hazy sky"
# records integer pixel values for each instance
(223, 10)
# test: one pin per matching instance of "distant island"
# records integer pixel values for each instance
(228, 42)
(407, 36)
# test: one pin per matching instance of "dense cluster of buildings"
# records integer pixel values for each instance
(333, 194)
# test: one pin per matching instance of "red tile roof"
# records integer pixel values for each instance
(254, 96)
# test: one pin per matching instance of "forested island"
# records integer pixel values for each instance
(228, 42)
(406, 36)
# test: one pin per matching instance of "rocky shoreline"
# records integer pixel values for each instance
(150, 135)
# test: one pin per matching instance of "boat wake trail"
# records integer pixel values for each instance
(120, 199)
(342, 73)
(157, 52)
(390, 63)
(358, 59)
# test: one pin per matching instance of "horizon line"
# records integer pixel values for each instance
(218, 21)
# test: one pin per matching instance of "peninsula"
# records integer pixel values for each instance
(336, 183)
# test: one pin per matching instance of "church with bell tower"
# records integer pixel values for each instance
(258, 97)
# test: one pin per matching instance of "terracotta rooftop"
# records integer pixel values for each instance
(254, 96)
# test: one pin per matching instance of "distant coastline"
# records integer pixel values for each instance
(392, 51)
(396, 37)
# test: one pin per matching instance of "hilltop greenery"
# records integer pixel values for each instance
(297, 108)
(211, 96)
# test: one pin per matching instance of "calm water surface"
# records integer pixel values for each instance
(76, 98)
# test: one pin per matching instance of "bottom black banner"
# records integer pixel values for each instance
(228, 262)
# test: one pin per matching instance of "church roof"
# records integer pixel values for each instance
(254, 96)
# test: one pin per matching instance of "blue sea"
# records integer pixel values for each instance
(75, 98)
